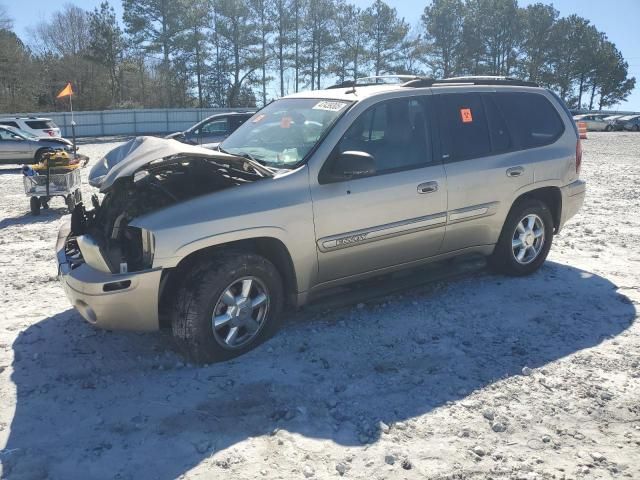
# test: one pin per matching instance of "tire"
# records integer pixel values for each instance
(71, 202)
(503, 260)
(636, 128)
(200, 298)
(608, 128)
(39, 154)
(35, 206)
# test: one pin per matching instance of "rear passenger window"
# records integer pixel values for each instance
(532, 120)
(465, 134)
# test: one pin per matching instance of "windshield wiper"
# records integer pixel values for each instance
(258, 165)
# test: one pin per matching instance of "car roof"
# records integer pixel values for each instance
(24, 118)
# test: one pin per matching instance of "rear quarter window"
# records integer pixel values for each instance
(532, 120)
(9, 124)
(40, 124)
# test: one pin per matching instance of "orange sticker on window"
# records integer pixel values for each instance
(285, 122)
(259, 118)
(465, 114)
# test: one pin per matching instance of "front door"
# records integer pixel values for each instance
(14, 149)
(393, 217)
(214, 131)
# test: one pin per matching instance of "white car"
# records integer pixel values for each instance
(40, 127)
(595, 121)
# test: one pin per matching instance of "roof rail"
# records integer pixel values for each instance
(489, 80)
(470, 80)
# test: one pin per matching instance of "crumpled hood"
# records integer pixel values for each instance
(126, 159)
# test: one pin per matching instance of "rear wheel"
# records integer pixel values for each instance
(525, 240)
(608, 128)
(40, 155)
(35, 205)
(636, 128)
(71, 202)
(227, 306)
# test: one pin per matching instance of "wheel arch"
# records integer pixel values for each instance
(551, 196)
(273, 249)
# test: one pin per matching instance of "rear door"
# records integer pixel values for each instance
(484, 169)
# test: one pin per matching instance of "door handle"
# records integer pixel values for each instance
(515, 171)
(428, 187)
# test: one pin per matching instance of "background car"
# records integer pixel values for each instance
(40, 127)
(213, 129)
(632, 124)
(17, 146)
(618, 123)
(595, 121)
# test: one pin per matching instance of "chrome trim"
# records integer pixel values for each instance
(471, 213)
(91, 253)
(360, 237)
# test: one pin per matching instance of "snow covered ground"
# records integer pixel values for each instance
(472, 377)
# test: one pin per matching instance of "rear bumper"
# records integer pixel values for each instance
(572, 200)
(111, 301)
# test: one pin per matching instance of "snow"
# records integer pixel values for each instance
(454, 373)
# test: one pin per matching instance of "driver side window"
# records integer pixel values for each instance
(216, 127)
(394, 133)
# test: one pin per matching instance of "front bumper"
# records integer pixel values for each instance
(572, 200)
(113, 301)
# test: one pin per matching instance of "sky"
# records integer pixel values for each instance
(617, 18)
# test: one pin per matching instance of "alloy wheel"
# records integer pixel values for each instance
(528, 239)
(240, 312)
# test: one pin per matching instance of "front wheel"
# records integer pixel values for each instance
(525, 240)
(34, 203)
(227, 306)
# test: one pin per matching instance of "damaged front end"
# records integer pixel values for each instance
(141, 177)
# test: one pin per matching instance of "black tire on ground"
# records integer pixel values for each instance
(35, 205)
(44, 202)
(636, 128)
(202, 287)
(503, 259)
(608, 128)
(39, 154)
(71, 202)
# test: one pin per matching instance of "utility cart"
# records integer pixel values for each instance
(58, 175)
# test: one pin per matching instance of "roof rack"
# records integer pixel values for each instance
(470, 80)
(376, 80)
(414, 81)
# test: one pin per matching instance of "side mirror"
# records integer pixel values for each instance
(354, 164)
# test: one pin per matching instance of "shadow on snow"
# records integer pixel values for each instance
(100, 403)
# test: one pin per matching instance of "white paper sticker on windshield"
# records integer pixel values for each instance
(330, 106)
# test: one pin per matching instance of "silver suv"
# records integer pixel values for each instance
(316, 190)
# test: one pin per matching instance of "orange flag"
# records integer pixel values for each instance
(66, 91)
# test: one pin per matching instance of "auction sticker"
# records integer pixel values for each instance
(330, 106)
(465, 113)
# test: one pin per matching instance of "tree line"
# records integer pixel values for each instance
(235, 53)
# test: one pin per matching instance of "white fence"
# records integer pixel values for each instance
(129, 122)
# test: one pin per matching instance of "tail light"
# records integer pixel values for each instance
(578, 156)
(51, 133)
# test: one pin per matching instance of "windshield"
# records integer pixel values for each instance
(284, 132)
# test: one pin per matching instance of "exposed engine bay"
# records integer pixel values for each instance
(125, 248)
